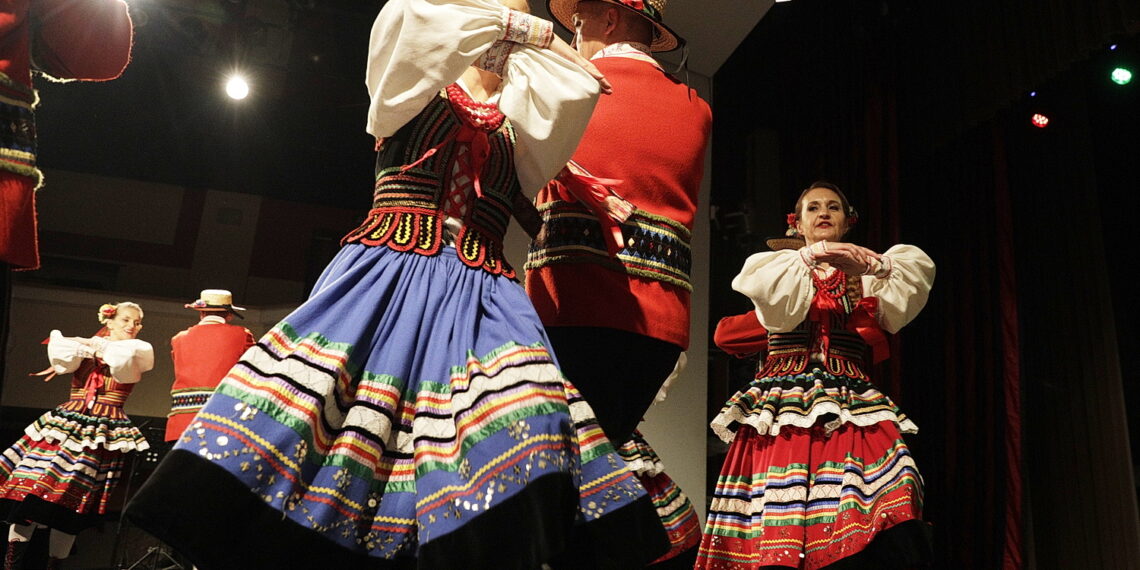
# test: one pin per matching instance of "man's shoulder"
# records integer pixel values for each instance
(213, 328)
(620, 69)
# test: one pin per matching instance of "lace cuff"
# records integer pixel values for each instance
(495, 58)
(524, 28)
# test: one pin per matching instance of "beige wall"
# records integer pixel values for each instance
(38, 310)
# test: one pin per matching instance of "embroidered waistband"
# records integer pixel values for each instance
(17, 137)
(417, 231)
(788, 353)
(655, 247)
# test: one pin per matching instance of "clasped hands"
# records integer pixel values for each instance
(847, 257)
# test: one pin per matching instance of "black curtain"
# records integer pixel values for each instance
(1013, 372)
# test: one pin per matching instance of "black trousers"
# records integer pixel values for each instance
(617, 372)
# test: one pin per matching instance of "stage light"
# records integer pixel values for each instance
(1032, 93)
(1121, 76)
(1040, 121)
(1112, 47)
(237, 88)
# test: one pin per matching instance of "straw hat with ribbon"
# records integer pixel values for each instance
(664, 39)
(215, 300)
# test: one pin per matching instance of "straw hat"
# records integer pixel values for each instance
(664, 39)
(215, 300)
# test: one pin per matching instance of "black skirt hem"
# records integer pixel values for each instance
(36, 510)
(205, 513)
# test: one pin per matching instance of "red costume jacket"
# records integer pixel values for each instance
(66, 39)
(741, 335)
(203, 354)
(651, 133)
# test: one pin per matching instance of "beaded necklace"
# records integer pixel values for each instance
(826, 306)
(483, 116)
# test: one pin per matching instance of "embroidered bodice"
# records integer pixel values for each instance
(826, 337)
(456, 150)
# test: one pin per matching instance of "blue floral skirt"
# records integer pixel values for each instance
(409, 414)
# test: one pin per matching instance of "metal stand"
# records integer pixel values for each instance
(156, 557)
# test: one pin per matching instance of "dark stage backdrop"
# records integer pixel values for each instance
(1014, 370)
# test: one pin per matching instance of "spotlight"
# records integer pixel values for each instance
(1121, 76)
(1040, 121)
(1112, 47)
(237, 88)
(1032, 93)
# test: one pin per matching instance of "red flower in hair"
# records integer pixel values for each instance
(792, 217)
(635, 4)
(107, 312)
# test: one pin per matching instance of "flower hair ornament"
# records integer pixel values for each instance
(107, 312)
(792, 231)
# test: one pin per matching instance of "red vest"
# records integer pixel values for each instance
(651, 133)
(88, 40)
(203, 355)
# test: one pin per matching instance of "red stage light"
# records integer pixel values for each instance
(1040, 121)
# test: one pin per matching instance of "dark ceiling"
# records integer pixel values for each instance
(299, 136)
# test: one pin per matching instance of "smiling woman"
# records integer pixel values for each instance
(63, 471)
(817, 471)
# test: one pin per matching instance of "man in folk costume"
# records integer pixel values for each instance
(203, 354)
(64, 40)
(609, 271)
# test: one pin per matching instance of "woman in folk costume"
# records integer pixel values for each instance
(817, 473)
(409, 413)
(62, 472)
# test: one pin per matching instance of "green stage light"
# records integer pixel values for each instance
(1121, 76)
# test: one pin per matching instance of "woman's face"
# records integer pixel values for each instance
(821, 216)
(125, 325)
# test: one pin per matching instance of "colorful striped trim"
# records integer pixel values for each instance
(79, 480)
(79, 429)
(639, 457)
(338, 482)
(802, 400)
(807, 516)
(188, 401)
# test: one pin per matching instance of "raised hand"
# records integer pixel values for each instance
(847, 257)
(563, 49)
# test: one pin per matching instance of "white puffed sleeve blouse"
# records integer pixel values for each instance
(418, 47)
(780, 286)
